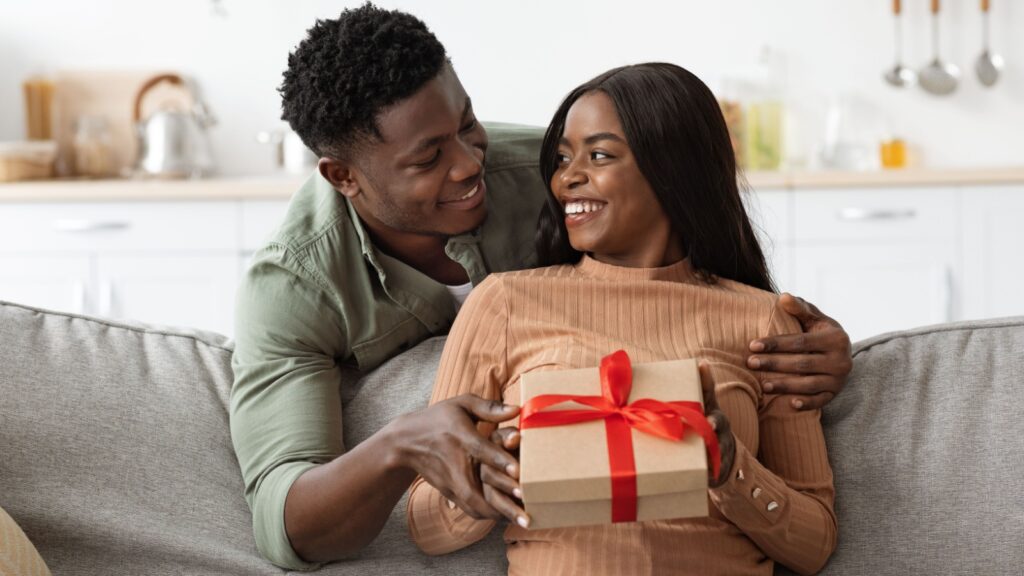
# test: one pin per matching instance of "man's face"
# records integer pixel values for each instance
(426, 175)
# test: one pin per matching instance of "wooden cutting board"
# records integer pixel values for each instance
(110, 94)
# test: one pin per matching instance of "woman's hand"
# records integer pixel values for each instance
(720, 424)
(501, 490)
(814, 363)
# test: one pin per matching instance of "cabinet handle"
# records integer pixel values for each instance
(81, 226)
(861, 214)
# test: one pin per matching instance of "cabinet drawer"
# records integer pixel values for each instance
(119, 227)
(259, 220)
(874, 214)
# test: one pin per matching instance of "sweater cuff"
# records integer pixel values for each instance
(753, 495)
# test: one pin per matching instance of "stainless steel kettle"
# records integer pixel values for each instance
(173, 143)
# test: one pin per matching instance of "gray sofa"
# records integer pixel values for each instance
(115, 456)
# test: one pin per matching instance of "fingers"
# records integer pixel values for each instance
(492, 454)
(792, 363)
(707, 387)
(507, 437)
(805, 312)
(486, 410)
(726, 446)
(506, 506)
(823, 340)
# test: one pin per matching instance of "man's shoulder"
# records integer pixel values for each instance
(512, 146)
(314, 210)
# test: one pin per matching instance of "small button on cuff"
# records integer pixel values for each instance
(756, 492)
(772, 506)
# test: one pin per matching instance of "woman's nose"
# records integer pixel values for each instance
(572, 176)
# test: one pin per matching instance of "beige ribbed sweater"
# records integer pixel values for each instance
(777, 504)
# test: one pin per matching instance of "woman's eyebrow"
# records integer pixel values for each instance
(589, 140)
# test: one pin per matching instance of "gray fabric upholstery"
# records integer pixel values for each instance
(927, 446)
(115, 455)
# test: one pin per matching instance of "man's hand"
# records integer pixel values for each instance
(813, 364)
(443, 445)
(500, 488)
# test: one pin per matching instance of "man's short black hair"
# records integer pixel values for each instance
(349, 69)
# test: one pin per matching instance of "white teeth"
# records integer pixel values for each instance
(583, 206)
(471, 193)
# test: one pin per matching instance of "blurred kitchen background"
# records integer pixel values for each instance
(888, 205)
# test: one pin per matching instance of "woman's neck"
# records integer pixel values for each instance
(651, 255)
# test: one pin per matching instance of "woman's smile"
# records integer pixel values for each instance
(580, 211)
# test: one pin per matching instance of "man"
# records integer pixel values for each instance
(413, 205)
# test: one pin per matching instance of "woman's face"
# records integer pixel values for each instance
(610, 209)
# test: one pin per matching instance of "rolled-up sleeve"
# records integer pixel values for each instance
(285, 401)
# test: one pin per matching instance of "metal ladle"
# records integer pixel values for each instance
(988, 64)
(899, 75)
(938, 78)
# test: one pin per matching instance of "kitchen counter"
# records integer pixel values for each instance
(280, 187)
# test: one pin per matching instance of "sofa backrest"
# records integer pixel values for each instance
(116, 455)
(927, 447)
(116, 458)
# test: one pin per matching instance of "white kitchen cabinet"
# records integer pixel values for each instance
(770, 213)
(193, 290)
(875, 289)
(877, 259)
(993, 251)
(49, 281)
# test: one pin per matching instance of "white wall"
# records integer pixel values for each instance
(518, 58)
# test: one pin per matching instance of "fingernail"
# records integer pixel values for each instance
(798, 404)
(768, 386)
(755, 362)
(451, 505)
(511, 469)
(517, 493)
(523, 521)
(756, 346)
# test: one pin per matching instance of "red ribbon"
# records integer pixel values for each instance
(667, 420)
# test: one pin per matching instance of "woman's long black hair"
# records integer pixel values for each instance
(679, 138)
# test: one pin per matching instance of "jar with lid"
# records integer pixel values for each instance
(92, 147)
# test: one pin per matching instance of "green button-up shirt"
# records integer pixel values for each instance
(320, 296)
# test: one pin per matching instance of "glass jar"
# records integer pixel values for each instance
(92, 147)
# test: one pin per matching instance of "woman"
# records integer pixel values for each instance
(651, 251)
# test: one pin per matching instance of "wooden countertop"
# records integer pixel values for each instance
(281, 187)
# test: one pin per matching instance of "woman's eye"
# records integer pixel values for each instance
(596, 155)
(561, 159)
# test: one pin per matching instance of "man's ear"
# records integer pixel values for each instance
(341, 175)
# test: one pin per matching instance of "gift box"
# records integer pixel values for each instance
(615, 443)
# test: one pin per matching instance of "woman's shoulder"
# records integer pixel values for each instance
(557, 271)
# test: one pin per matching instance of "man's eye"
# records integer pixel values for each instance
(429, 162)
(471, 125)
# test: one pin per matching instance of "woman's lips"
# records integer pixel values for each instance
(579, 212)
(469, 200)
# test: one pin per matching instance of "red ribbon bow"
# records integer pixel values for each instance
(667, 420)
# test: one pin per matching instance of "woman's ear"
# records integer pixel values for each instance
(341, 175)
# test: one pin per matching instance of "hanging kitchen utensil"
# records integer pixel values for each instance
(988, 64)
(173, 143)
(937, 77)
(899, 75)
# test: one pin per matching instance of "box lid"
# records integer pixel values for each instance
(570, 463)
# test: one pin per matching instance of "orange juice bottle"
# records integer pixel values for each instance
(894, 153)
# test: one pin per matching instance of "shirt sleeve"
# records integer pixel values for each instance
(285, 401)
(473, 362)
(783, 498)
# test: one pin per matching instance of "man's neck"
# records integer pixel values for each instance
(423, 252)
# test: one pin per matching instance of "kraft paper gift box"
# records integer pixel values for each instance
(565, 470)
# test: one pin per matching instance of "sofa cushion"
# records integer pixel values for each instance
(926, 446)
(116, 456)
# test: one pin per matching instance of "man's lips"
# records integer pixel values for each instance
(470, 199)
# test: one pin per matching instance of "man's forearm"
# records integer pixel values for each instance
(336, 509)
